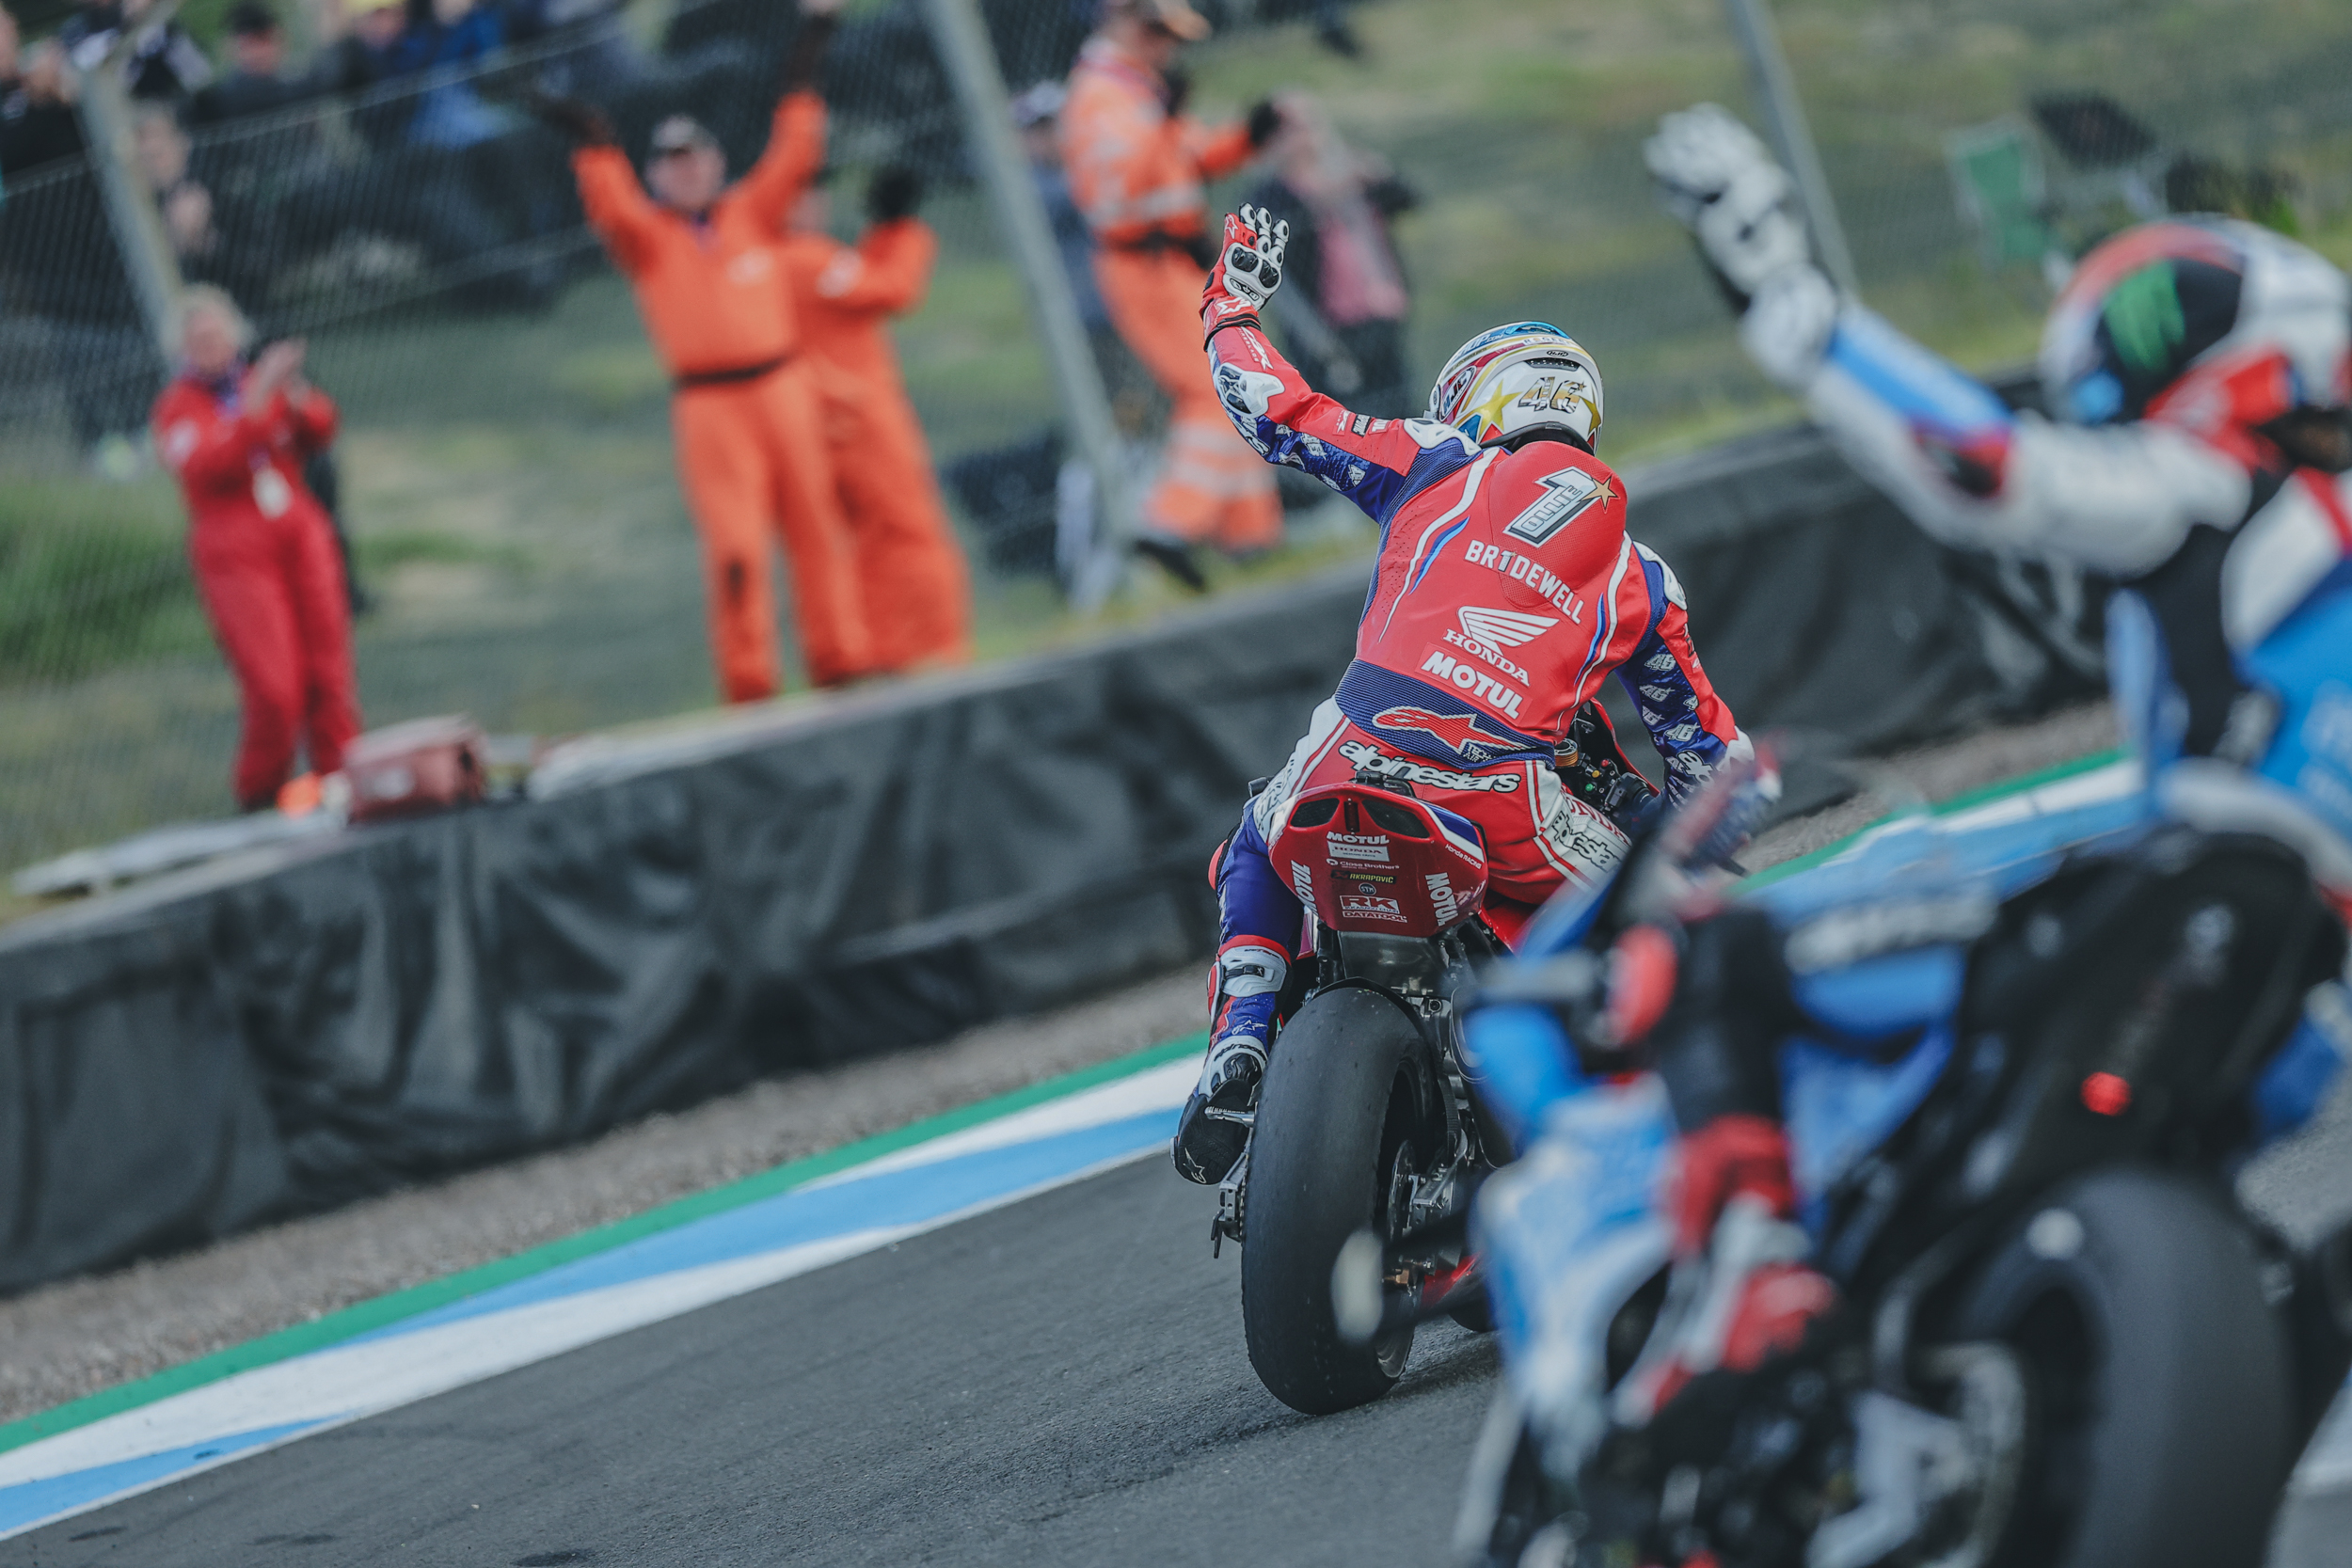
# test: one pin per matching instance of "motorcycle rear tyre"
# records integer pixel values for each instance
(1317, 1174)
(2159, 1380)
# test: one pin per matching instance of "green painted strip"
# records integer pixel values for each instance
(1959, 802)
(366, 1317)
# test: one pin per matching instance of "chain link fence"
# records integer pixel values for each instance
(503, 473)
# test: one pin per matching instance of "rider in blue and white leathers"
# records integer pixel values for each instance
(2202, 369)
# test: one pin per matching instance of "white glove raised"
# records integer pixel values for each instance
(1724, 188)
(1252, 267)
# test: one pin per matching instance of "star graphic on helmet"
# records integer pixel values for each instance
(1489, 412)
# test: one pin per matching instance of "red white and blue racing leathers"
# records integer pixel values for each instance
(1505, 592)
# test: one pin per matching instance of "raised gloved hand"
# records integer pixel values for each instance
(1724, 188)
(896, 192)
(581, 120)
(1248, 272)
(803, 63)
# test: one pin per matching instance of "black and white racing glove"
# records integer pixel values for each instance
(1741, 207)
(1725, 188)
(1248, 270)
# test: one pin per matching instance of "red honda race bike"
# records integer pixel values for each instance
(1367, 1120)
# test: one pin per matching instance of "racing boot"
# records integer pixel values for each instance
(1213, 1128)
(1741, 1295)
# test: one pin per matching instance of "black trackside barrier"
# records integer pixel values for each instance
(790, 886)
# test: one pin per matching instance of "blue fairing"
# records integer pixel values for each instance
(1891, 994)
(1518, 1059)
(1838, 1107)
(1524, 1058)
(2307, 663)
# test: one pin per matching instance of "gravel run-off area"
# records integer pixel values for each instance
(72, 1337)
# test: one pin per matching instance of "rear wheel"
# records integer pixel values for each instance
(1339, 1129)
(2158, 1406)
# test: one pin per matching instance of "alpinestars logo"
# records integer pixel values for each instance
(1566, 495)
(1373, 758)
(1246, 393)
(1460, 731)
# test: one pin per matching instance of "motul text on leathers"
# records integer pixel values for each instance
(1135, 171)
(911, 572)
(267, 568)
(749, 453)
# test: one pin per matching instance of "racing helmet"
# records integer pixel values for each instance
(1510, 383)
(2211, 321)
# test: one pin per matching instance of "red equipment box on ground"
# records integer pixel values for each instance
(425, 765)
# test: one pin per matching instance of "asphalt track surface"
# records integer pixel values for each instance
(1062, 1380)
(1059, 1382)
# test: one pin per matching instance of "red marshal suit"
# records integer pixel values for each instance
(267, 565)
(910, 569)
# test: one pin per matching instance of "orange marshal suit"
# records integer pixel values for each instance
(751, 453)
(1135, 172)
(916, 589)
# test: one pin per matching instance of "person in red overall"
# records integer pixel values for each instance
(702, 257)
(235, 437)
(910, 569)
(1505, 592)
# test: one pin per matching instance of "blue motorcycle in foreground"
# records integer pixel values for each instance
(2042, 1041)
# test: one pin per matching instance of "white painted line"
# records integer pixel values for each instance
(307, 1394)
(1156, 1088)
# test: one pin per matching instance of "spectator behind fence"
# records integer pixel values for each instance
(236, 435)
(1136, 163)
(1037, 115)
(464, 146)
(916, 589)
(589, 52)
(163, 62)
(214, 239)
(702, 257)
(1347, 298)
(358, 41)
(426, 196)
(75, 323)
(257, 81)
(38, 124)
(285, 175)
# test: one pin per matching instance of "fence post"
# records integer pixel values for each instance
(1792, 138)
(109, 129)
(962, 36)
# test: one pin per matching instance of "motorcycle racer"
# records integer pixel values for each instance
(1505, 593)
(2199, 370)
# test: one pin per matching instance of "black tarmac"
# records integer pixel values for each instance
(1058, 1383)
